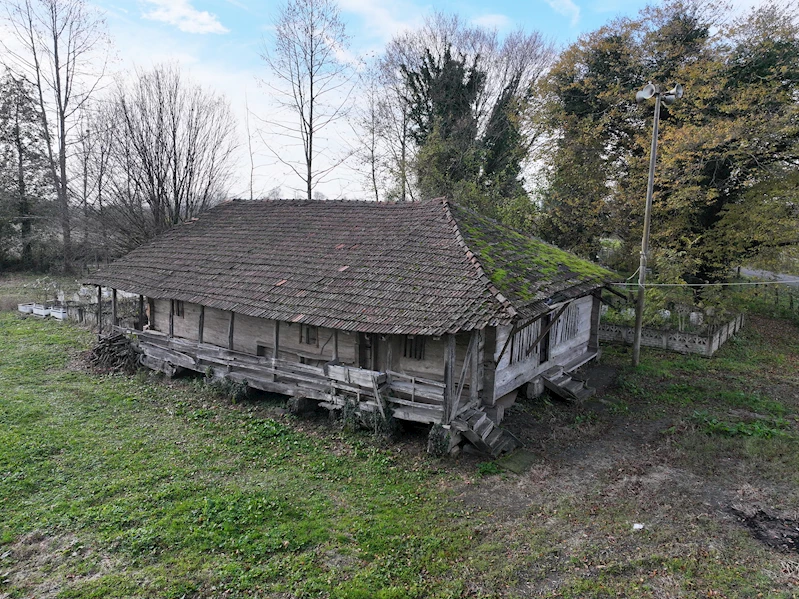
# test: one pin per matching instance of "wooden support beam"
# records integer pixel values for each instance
(508, 340)
(489, 366)
(335, 345)
(449, 378)
(547, 328)
(171, 318)
(474, 368)
(141, 312)
(610, 288)
(275, 346)
(389, 365)
(462, 378)
(99, 311)
(114, 321)
(518, 326)
(230, 330)
(596, 304)
(201, 325)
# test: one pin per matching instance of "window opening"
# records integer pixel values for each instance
(309, 335)
(414, 347)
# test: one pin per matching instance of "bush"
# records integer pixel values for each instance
(227, 388)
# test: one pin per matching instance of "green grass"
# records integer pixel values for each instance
(118, 486)
(186, 495)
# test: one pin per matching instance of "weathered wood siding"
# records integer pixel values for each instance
(186, 326)
(215, 327)
(159, 321)
(292, 348)
(568, 338)
(432, 367)
(249, 332)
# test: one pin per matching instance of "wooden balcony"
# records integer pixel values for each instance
(333, 385)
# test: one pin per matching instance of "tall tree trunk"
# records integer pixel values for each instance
(24, 206)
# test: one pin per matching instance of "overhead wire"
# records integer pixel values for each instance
(737, 284)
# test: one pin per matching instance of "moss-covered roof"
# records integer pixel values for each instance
(525, 269)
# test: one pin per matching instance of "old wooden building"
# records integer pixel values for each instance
(427, 311)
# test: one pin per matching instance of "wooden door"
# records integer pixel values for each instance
(368, 351)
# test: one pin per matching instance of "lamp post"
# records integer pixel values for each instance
(668, 97)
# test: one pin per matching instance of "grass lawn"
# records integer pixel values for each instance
(117, 486)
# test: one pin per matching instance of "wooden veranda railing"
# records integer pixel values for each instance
(409, 397)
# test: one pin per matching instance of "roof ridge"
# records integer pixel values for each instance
(472, 257)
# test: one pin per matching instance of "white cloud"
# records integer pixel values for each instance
(567, 8)
(184, 16)
(383, 19)
(493, 21)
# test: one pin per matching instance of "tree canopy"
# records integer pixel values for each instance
(460, 96)
(727, 151)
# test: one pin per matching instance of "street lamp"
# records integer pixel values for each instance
(669, 97)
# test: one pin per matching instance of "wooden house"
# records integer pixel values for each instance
(427, 311)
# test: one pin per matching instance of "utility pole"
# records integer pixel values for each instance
(669, 97)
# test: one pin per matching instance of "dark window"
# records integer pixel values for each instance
(177, 308)
(261, 350)
(414, 347)
(309, 335)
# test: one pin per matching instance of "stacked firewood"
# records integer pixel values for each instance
(114, 353)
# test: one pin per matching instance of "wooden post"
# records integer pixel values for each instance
(449, 378)
(113, 308)
(474, 368)
(171, 318)
(335, 345)
(596, 304)
(230, 330)
(201, 325)
(99, 311)
(141, 312)
(489, 365)
(275, 345)
(389, 365)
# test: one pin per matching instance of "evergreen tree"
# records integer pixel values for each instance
(23, 171)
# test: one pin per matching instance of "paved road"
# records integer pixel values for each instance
(791, 280)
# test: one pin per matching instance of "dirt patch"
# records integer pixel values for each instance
(600, 376)
(27, 565)
(776, 531)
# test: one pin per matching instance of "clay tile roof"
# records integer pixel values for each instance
(424, 268)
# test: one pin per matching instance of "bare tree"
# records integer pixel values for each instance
(370, 151)
(171, 153)
(313, 82)
(60, 46)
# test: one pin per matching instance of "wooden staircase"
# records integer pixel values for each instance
(564, 385)
(477, 428)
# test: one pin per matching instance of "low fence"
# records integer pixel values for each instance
(85, 313)
(704, 344)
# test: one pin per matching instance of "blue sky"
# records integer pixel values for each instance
(218, 44)
(232, 30)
